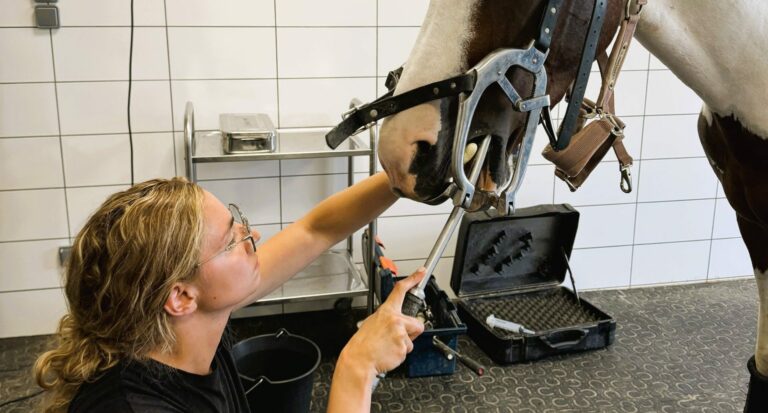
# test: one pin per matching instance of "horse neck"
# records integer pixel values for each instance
(441, 45)
(715, 47)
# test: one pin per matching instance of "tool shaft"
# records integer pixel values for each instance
(411, 306)
(473, 365)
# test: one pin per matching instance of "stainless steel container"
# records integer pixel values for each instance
(246, 133)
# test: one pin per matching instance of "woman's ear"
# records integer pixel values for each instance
(182, 300)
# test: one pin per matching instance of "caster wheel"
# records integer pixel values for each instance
(343, 305)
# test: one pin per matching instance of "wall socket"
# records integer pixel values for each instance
(47, 17)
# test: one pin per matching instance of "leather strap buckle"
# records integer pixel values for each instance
(634, 8)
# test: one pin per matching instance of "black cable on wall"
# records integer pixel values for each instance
(130, 78)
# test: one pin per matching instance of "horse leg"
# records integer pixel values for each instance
(755, 238)
(738, 158)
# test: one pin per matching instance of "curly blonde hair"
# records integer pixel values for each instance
(120, 271)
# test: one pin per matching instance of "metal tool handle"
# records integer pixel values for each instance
(414, 299)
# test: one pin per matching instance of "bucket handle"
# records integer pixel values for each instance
(258, 382)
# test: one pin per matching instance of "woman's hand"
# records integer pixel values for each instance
(386, 336)
(380, 345)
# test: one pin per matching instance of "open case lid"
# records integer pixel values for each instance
(523, 251)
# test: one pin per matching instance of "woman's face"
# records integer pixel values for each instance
(225, 278)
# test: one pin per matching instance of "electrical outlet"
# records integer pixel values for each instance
(47, 17)
(63, 255)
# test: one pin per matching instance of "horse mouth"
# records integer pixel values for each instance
(437, 199)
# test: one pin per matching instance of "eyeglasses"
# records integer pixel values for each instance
(239, 218)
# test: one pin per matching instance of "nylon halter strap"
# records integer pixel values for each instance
(362, 117)
(560, 141)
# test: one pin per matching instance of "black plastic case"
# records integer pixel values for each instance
(512, 267)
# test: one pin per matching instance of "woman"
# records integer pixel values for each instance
(151, 282)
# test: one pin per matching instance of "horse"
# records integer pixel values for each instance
(715, 47)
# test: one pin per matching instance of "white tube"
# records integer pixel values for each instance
(507, 325)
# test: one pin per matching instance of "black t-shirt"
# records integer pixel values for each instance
(152, 387)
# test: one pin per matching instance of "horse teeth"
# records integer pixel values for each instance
(469, 152)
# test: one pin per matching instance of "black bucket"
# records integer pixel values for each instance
(277, 371)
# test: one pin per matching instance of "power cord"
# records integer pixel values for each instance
(130, 79)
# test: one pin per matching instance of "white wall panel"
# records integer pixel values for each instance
(107, 154)
(412, 237)
(27, 163)
(214, 97)
(668, 95)
(101, 53)
(729, 258)
(220, 13)
(83, 202)
(315, 52)
(601, 187)
(222, 52)
(258, 199)
(674, 221)
(394, 43)
(671, 136)
(33, 214)
(320, 102)
(153, 156)
(602, 226)
(18, 14)
(676, 179)
(111, 13)
(300, 193)
(31, 265)
(31, 313)
(326, 13)
(101, 107)
(228, 170)
(669, 263)
(28, 110)
(26, 54)
(402, 12)
(725, 220)
(595, 268)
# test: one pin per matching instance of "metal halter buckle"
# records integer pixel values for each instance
(626, 179)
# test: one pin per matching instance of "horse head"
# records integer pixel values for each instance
(416, 144)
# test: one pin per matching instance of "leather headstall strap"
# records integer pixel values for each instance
(590, 143)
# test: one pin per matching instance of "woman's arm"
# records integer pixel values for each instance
(332, 220)
(380, 345)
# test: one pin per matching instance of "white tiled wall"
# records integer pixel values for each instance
(64, 138)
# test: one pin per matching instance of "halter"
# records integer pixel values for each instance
(470, 86)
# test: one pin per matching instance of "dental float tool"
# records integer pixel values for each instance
(414, 299)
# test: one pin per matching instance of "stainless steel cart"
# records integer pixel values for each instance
(333, 275)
